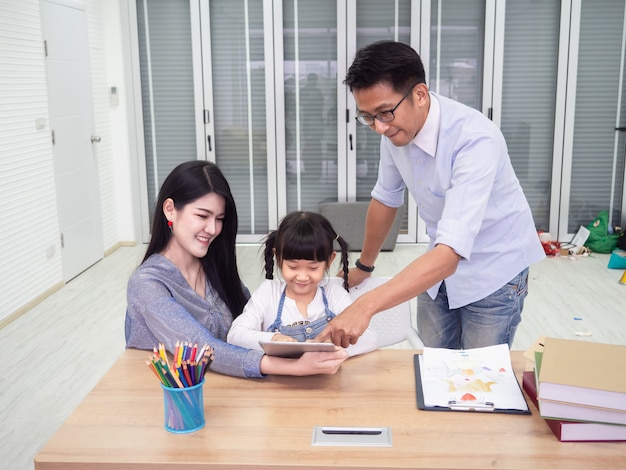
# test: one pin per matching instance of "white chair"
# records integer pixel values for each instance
(393, 325)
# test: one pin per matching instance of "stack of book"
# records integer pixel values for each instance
(579, 388)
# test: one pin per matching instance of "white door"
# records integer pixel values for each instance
(74, 140)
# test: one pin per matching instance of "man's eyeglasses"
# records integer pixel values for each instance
(383, 116)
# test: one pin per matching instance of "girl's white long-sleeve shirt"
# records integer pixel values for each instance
(260, 312)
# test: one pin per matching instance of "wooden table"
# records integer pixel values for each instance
(256, 423)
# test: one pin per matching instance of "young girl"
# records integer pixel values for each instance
(188, 288)
(301, 305)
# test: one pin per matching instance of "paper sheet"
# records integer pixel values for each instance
(471, 375)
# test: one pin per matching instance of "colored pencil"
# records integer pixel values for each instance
(187, 375)
(188, 372)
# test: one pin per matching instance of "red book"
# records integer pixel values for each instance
(574, 430)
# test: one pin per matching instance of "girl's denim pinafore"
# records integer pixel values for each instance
(302, 330)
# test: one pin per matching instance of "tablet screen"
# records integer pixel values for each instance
(293, 349)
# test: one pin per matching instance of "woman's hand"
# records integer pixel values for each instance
(322, 362)
(310, 363)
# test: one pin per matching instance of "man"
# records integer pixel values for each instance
(454, 161)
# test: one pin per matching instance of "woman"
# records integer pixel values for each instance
(187, 287)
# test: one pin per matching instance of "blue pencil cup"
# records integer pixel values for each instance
(184, 408)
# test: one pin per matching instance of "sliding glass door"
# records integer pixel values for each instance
(530, 58)
(595, 141)
(376, 20)
(456, 50)
(167, 89)
(256, 86)
(309, 92)
(235, 65)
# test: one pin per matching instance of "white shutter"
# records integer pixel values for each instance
(167, 88)
(29, 239)
(598, 160)
(531, 47)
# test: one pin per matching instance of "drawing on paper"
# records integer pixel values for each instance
(472, 375)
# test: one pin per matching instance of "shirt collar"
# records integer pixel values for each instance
(426, 138)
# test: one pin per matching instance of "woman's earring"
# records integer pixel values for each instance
(170, 224)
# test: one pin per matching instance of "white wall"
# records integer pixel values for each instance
(119, 156)
(30, 250)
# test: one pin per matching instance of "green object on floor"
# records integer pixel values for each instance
(600, 240)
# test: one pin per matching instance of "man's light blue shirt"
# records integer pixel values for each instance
(459, 172)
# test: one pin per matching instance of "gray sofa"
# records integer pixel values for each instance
(348, 219)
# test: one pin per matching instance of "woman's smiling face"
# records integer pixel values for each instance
(197, 224)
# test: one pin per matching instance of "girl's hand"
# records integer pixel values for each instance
(282, 338)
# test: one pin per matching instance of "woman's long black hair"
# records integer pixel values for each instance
(186, 183)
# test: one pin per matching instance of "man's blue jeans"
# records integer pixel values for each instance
(492, 320)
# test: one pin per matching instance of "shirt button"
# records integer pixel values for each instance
(309, 329)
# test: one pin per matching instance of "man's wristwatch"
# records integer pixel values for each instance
(362, 267)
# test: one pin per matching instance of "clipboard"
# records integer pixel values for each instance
(477, 407)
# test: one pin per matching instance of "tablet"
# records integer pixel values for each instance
(294, 349)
